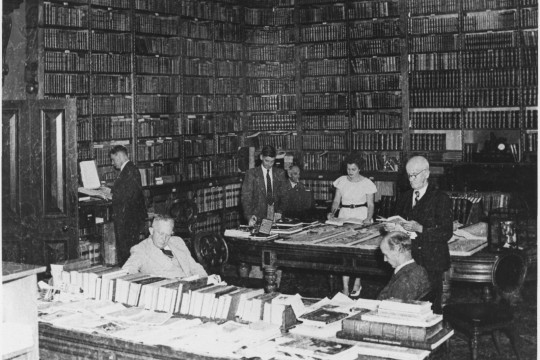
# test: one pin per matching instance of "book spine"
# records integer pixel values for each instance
(378, 340)
(387, 331)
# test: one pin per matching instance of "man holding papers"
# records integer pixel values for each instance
(428, 212)
(163, 254)
(410, 280)
(129, 209)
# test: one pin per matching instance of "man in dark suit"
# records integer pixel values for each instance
(429, 214)
(129, 210)
(262, 190)
(298, 200)
(410, 280)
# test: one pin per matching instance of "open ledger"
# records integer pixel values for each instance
(90, 180)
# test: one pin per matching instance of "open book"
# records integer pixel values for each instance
(90, 181)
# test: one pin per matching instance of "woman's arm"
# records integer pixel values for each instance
(335, 203)
(370, 208)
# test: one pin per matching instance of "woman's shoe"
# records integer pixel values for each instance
(355, 293)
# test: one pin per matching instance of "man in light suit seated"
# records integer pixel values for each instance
(162, 254)
(410, 280)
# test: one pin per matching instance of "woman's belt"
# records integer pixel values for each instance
(353, 206)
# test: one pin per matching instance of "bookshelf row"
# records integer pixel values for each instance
(154, 73)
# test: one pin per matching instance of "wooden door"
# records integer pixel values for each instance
(40, 225)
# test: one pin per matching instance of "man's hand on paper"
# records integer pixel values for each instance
(252, 221)
(412, 226)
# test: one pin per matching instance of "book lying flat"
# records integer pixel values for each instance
(430, 344)
(306, 347)
(407, 306)
(373, 316)
(354, 325)
(322, 316)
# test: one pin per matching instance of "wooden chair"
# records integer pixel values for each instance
(184, 212)
(212, 253)
(385, 207)
(466, 209)
(475, 319)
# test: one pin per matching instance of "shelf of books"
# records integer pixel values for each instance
(228, 87)
(375, 46)
(66, 65)
(434, 80)
(491, 84)
(157, 85)
(111, 82)
(324, 86)
(528, 18)
(270, 76)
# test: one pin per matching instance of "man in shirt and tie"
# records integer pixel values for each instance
(410, 280)
(262, 190)
(428, 212)
(163, 254)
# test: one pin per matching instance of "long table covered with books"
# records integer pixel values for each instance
(354, 250)
(77, 322)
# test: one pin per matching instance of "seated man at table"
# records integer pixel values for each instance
(410, 280)
(162, 254)
(298, 200)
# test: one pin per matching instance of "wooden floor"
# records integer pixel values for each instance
(317, 285)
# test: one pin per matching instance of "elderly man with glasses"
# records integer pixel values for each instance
(163, 254)
(428, 212)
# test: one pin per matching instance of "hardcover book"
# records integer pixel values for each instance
(322, 316)
(429, 344)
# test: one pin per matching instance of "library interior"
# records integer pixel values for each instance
(269, 179)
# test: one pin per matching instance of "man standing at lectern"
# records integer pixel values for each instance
(129, 210)
(428, 212)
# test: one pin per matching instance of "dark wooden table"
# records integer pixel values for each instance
(477, 268)
(62, 344)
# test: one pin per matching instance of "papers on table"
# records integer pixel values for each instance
(394, 223)
(346, 236)
(469, 240)
(101, 192)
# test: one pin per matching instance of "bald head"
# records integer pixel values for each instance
(294, 173)
(418, 161)
(418, 172)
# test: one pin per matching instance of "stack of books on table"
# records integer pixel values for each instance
(205, 297)
(402, 323)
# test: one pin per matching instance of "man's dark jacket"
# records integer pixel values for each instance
(129, 210)
(434, 213)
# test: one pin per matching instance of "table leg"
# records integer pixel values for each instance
(270, 279)
(446, 287)
(332, 280)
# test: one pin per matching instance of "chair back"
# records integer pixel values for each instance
(466, 209)
(386, 206)
(211, 251)
(509, 271)
(184, 212)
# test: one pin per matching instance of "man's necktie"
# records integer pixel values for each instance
(167, 252)
(416, 198)
(269, 197)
